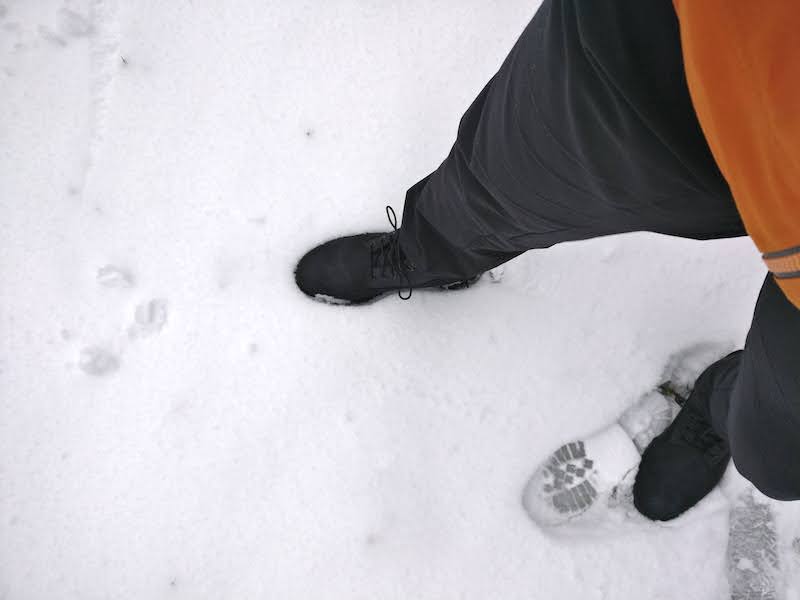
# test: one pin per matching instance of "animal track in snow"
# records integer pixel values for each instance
(98, 361)
(149, 318)
(111, 276)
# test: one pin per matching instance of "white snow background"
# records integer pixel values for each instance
(178, 421)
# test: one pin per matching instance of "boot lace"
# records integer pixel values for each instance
(387, 258)
(698, 433)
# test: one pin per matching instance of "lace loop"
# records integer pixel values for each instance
(392, 216)
(387, 256)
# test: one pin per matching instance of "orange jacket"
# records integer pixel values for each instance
(742, 62)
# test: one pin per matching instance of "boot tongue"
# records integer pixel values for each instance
(383, 257)
(389, 265)
(696, 432)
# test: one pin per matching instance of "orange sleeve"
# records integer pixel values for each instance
(742, 62)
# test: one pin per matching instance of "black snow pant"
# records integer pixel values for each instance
(587, 130)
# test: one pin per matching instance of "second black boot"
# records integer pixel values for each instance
(683, 464)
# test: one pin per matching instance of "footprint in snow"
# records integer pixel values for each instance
(150, 318)
(98, 361)
(111, 276)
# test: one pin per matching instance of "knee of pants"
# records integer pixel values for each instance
(766, 452)
(768, 480)
(763, 420)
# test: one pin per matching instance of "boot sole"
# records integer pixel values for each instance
(332, 300)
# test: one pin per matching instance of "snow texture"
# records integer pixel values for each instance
(753, 561)
(177, 420)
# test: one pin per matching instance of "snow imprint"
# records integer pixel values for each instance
(752, 553)
(647, 419)
(111, 276)
(566, 481)
(98, 361)
(150, 318)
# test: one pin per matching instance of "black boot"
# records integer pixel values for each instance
(360, 268)
(683, 464)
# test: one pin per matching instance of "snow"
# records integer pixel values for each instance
(177, 420)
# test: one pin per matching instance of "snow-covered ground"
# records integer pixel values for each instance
(178, 421)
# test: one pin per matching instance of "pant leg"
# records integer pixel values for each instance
(587, 129)
(761, 415)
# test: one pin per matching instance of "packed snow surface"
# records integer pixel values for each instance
(178, 421)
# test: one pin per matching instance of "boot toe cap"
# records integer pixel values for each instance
(672, 479)
(336, 271)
